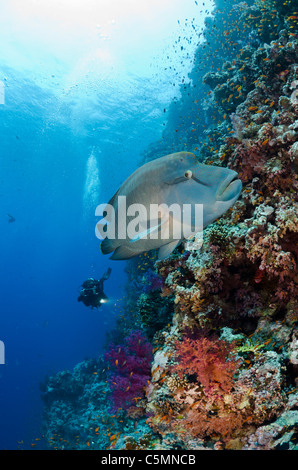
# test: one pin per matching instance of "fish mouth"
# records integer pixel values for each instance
(229, 188)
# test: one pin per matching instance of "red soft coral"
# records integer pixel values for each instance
(207, 359)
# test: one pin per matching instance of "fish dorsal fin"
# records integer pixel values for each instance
(165, 250)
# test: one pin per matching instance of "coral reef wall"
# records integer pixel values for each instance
(230, 357)
(222, 317)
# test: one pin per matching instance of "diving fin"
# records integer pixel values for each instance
(106, 274)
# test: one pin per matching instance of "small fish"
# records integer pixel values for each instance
(11, 219)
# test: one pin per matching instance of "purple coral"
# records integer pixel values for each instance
(130, 366)
(153, 281)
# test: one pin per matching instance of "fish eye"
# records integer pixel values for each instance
(188, 174)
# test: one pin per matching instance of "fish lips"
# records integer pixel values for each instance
(230, 188)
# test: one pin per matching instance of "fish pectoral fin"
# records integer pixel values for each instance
(124, 252)
(165, 250)
(142, 235)
(150, 231)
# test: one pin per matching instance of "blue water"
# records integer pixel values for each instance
(69, 136)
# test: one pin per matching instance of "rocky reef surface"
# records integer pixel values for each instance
(207, 357)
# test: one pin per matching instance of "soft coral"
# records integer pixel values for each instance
(130, 366)
(206, 358)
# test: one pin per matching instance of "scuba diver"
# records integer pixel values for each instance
(92, 294)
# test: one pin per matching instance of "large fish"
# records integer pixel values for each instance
(173, 179)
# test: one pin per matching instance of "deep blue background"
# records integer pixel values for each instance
(55, 117)
(51, 247)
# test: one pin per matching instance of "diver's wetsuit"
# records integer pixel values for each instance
(92, 294)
